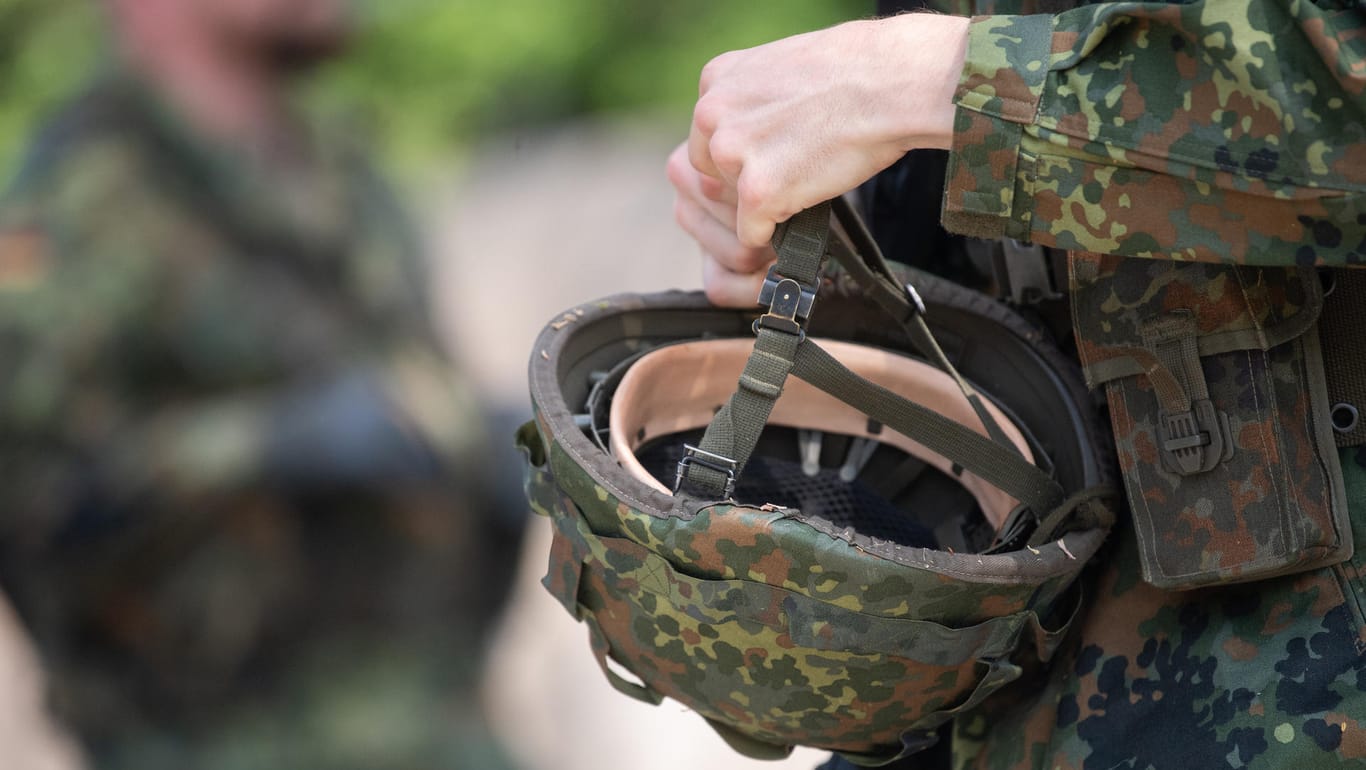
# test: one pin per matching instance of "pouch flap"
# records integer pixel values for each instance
(1234, 307)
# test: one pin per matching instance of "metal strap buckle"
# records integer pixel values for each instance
(917, 304)
(789, 303)
(709, 460)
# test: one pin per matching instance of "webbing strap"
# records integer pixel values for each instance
(734, 432)
(868, 267)
(994, 463)
(801, 244)
(1340, 329)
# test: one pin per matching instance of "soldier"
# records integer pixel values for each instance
(1227, 133)
(244, 496)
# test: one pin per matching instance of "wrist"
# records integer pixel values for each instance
(931, 49)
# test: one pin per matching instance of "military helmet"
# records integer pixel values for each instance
(846, 559)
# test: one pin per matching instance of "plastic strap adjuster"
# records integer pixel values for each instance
(1195, 441)
(789, 303)
(709, 460)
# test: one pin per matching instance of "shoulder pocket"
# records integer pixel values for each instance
(1215, 381)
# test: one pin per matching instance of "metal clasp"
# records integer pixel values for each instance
(914, 302)
(789, 304)
(709, 460)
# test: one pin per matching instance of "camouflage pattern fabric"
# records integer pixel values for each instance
(245, 494)
(1261, 675)
(778, 625)
(1212, 130)
(1231, 354)
(787, 635)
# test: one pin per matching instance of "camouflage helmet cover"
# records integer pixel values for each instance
(779, 626)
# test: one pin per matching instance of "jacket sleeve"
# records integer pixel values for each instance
(1217, 131)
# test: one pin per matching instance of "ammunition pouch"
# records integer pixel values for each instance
(1221, 414)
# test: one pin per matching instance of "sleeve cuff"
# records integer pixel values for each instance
(987, 184)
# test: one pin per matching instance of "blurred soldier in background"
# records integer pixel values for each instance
(245, 510)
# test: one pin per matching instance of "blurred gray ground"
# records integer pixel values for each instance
(540, 222)
(536, 224)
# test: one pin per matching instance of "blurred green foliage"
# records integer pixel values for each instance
(428, 76)
(46, 47)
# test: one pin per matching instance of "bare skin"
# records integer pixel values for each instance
(226, 65)
(783, 126)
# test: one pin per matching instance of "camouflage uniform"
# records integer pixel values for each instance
(1214, 131)
(242, 479)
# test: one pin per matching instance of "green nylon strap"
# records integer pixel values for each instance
(999, 466)
(801, 244)
(734, 431)
(862, 258)
(862, 238)
(1340, 329)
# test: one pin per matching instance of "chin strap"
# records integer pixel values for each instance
(781, 348)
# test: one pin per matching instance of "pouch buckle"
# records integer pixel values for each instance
(1194, 441)
(789, 304)
(711, 461)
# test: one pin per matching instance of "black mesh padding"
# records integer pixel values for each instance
(780, 481)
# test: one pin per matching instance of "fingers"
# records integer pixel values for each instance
(699, 142)
(754, 223)
(706, 116)
(720, 176)
(694, 186)
(709, 222)
(717, 190)
(718, 240)
(730, 289)
(782, 126)
(732, 273)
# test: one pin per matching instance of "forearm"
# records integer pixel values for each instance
(1166, 131)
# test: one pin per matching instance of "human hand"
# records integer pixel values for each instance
(784, 126)
(731, 273)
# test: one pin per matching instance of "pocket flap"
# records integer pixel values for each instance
(1234, 307)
